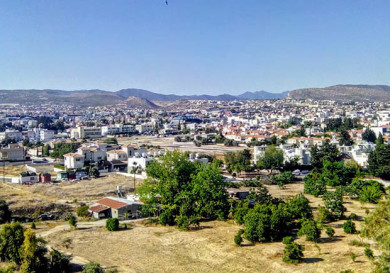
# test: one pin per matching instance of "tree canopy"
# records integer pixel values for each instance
(184, 191)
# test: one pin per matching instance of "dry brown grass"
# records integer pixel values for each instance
(12, 170)
(25, 199)
(153, 248)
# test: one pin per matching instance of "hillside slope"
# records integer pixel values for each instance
(347, 92)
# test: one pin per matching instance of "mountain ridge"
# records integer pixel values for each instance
(343, 92)
(97, 97)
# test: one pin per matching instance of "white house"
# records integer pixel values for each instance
(73, 161)
(46, 135)
(138, 161)
(116, 155)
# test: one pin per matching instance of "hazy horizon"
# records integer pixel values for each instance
(193, 47)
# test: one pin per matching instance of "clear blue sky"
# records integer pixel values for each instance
(193, 46)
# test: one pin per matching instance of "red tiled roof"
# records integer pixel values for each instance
(111, 203)
(98, 208)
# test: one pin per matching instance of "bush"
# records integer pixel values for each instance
(370, 194)
(330, 232)
(33, 226)
(82, 211)
(349, 227)
(71, 220)
(353, 216)
(314, 185)
(358, 243)
(334, 203)
(310, 229)
(112, 224)
(293, 252)
(299, 207)
(185, 223)
(92, 267)
(59, 262)
(353, 256)
(238, 238)
(368, 252)
(323, 215)
(167, 218)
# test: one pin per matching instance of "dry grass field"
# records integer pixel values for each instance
(25, 199)
(153, 248)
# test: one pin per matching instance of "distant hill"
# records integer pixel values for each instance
(262, 95)
(98, 97)
(348, 92)
(161, 97)
(81, 97)
(141, 103)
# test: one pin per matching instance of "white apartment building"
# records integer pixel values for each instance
(86, 132)
(73, 161)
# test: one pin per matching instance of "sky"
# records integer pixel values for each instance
(193, 46)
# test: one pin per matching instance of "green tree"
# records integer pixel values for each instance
(46, 150)
(238, 237)
(349, 227)
(72, 221)
(209, 192)
(299, 207)
(323, 215)
(330, 232)
(33, 252)
(369, 135)
(94, 172)
(92, 267)
(284, 178)
(112, 224)
(334, 203)
(59, 262)
(311, 230)
(5, 213)
(293, 252)
(314, 184)
(379, 161)
(178, 187)
(11, 240)
(82, 211)
(379, 141)
(345, 138)
(272, 158)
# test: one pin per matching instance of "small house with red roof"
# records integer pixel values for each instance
(114, 207)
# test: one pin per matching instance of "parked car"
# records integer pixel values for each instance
(296, 172)
(305, 172)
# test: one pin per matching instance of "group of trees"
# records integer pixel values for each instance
(379, 161)
(339, 124)
(22, 248)
(267, 219)
(47, 123)
(182, 192)
(238, 161)
(63, 148)
(376, 227)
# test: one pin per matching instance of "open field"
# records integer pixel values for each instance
(25, 199)
(168, 143)
(153, 248)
